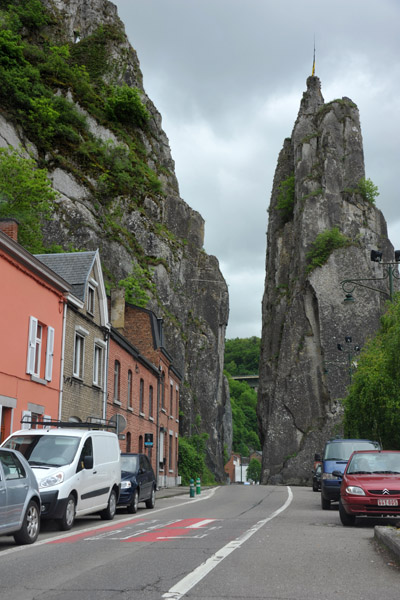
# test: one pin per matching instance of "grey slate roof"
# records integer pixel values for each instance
(74, 267)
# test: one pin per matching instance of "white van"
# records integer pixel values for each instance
(78, 471)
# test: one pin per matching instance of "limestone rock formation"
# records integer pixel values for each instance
(151, 227)
(303, 375)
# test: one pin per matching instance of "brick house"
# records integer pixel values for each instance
(32, 320)
(132, 394)
(160, 387)
(84, 382)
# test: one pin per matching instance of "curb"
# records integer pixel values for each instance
(390, 537)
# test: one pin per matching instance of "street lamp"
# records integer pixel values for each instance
(350, 354)
(390, 271)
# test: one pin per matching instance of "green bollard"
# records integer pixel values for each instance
(198, 487)
(191, 493)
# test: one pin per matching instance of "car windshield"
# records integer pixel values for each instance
(343, 450)
(129, 463)
(382, 463)
(45, 450)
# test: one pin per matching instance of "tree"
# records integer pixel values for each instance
(254, 470)
(242, 356)
(372, 407)
(26, 195)
(244, 417)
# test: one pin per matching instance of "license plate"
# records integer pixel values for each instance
(388, 502)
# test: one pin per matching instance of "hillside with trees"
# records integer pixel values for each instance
(241, 358)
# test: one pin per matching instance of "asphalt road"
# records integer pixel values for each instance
(237, 542)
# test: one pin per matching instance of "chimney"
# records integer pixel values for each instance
(118, 308)
(10, 227)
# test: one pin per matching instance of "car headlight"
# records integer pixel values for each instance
(125, 485)
(52, 480)
(330, 476)
(354, 490)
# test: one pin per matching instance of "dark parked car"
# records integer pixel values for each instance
(316, 480)
(370, 486)
(19, 498)
(138, 482)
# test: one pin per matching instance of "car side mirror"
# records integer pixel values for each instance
(88, 462)
(338, 474)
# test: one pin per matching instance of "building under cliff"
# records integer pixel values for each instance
(75, 103)
(322, 227)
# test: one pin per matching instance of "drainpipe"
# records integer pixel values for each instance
(105, 370)
(158, 426)
(62, 363)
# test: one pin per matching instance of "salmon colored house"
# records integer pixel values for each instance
(32, 302)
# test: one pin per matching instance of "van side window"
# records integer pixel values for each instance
(87, 450)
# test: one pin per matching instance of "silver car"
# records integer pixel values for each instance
(19, 498)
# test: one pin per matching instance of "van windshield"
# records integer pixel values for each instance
(45, 450)
(343, 450)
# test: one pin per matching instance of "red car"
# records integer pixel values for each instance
(370, 485)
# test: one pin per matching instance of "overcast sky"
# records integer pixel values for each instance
(228, 76)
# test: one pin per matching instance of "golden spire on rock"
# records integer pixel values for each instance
(313, 65)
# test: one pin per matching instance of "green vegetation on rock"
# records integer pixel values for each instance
(324, 244)
(286, 198)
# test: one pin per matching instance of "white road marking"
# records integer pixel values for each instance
(193, 578)
(205, 496)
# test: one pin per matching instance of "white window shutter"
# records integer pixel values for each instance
(28, 415)
(49, 353)
(46, 418)
(30, 363)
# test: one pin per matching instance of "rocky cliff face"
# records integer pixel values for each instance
(303, 375)
(149, 226)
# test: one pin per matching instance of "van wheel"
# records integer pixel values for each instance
(30, 525)
(133, 506)
(68, 518)
(109, 513)
(325, 503)
(151, 502)
(346, 519)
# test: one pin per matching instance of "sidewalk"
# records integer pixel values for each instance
(179, 490)
(390, 537)
(168, 492)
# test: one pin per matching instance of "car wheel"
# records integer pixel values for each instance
(151, 502)
(30, 525)
(346, 519)
(68, 518)
(325, 503)
(109, 513)
(133, 506)
(315, 487)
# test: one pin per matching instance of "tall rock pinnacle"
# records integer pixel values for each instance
(317, 203)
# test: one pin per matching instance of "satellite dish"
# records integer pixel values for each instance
(119, 421)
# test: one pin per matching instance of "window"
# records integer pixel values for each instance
(40, 350)
(151, 401)
(12, 467)
(141, 397)
(90, 300)
(177, 403)
(117, 373)
(98, 365)
(128, 441)
(171, 399)
(79, 355)
(129, 391)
